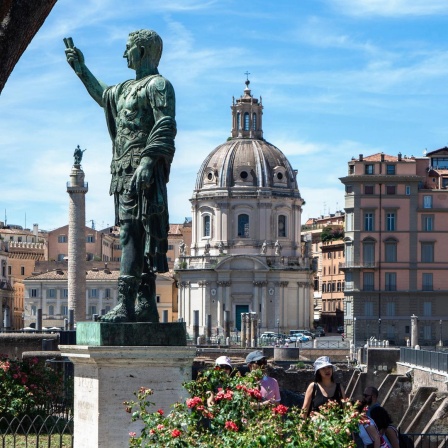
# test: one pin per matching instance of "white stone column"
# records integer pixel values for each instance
(105, 377)
(77, 190)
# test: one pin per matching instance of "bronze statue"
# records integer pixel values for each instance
(140, 116)
(78, 155)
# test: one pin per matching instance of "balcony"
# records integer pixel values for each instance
(353, 264)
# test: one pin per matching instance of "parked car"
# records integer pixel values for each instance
(306, 333)
(319, 332)
(341, 329)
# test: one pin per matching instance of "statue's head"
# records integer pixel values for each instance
(151, 42)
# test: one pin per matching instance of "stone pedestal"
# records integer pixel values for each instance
(106, 376)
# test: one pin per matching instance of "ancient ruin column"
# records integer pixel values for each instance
(414, 331)
(77, 189)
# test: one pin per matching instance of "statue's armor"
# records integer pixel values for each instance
(135, 100)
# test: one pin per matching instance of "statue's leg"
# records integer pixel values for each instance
(131, 266)
(124, 311)
(146, 309)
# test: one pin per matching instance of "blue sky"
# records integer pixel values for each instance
(337, 78)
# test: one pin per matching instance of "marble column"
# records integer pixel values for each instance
(77, 190)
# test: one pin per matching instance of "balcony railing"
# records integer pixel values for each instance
(353, 264)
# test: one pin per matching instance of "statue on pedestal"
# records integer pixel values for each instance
(140, 116)
(77, 155)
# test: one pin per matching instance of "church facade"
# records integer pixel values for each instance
(246, 253)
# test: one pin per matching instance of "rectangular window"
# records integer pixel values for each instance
(427, 332)
(368, 222)
(390, 222)
(427, 309)
(391, 281)
(369, 189)
(427, 279)
(65, 293)
(92, 310)
(90, 239)
(390, 308)
(427, 201)
(33, 292)
(391, 189)
(349, 189)
(427, 223)
(158, 299)
(33, 310)
(9, 270)
(62, 238)
(349, 221)
(427, 252)
(390, 169)
(407, 190)
(368, 254)
(93, 293)
(22, 270)
(368, 169)
(170, 247)
(107, 293)
(390, 252)
(51, 293)
(368, 280)
(390, 332)
(368, 309)
(61, 257)
(351, 169)
(64, 310)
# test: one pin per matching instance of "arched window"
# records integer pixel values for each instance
(238, 121)
(243, 226)
(324, 287)
(206, 227)
(282, 226)
(246, 121)
(254, 121)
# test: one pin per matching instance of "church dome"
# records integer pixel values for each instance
(246, 162)
(246, 159)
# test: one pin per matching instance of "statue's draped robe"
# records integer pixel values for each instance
(129, 109)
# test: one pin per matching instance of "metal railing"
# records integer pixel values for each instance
(425, 358)
(38, 431)
(429, 440)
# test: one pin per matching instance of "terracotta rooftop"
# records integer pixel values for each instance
(387, 158)
(62, 274)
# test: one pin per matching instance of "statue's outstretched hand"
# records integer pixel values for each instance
(74, 55)
(143, 176)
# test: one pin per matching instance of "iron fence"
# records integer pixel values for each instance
(425, 358)
(50, 431)
(429, 440)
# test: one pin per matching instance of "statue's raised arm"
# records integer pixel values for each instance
(76, 60)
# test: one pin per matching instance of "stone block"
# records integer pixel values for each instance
(136, 334)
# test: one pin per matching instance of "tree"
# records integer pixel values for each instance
(331, 233)
(20, 20)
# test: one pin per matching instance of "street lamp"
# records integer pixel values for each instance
(441, 340)
(379, 328)
(354, 332)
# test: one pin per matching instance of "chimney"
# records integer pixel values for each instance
(382, 157)
(399, 156)
(36, 230)
(360, 157)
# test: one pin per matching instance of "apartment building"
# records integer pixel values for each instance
(396, 235)
(325, 234)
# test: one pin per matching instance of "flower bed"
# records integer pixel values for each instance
(235, 419)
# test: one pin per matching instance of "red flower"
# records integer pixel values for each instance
(254, 393)
(231, 426)
(280, 410)
(175, 433)
(160, 411)
(193, 402)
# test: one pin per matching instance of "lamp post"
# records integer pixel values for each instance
(379, 328)
(441, 340)
(354, 332)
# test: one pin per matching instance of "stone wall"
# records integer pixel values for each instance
(14, 344)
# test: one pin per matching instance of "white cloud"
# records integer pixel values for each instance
(390, 8)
